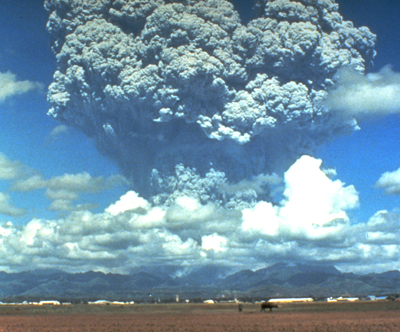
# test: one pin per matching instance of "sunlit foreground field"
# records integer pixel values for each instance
(361, 316)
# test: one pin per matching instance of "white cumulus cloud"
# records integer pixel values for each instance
(7, 208)
(58, 132)
(10, 86)
(213, 242)
(390, 182)
(127, 202)
(314, 206)
(366, 95)
(65, 189)
(9, 169)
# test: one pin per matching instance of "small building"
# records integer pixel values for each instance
(376, 298)
(49, 303)
(350, 299)
(382, 298)
(209, 302)
(292, 300)
(99, 302)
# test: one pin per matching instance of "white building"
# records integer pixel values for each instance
(350, 299)
(291, 300)
(49, 303)
(99, 302)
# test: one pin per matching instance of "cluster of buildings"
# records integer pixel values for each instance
(292, 300)
(51, 302)
(211, 301)
(330, 299)
(309, 299)
(36, 303)
(105, 302)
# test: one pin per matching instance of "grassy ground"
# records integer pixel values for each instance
(175, 308)
(309, 317)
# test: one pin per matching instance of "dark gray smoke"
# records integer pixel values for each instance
(188, 99)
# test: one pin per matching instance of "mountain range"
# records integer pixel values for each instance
(278, 280)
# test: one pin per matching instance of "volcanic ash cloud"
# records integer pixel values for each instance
(189, 100)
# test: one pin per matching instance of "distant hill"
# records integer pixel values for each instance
(281, 279)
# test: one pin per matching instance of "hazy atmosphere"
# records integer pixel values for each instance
(181, 134)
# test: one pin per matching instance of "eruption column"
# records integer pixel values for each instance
(189, 99)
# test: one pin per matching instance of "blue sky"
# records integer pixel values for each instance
(25, 137)
(362, 157)
(29, 142)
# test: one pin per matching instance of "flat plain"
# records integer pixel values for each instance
(332, 317)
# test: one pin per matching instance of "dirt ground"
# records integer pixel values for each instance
(202, 318)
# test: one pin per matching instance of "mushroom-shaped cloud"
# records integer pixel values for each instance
(186, 97)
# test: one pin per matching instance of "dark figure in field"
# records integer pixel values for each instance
(240, 308)
(268, 306)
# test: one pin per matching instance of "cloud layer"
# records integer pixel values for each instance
(64, 190)
(305, 225)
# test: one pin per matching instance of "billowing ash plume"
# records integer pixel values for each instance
(189, 100)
